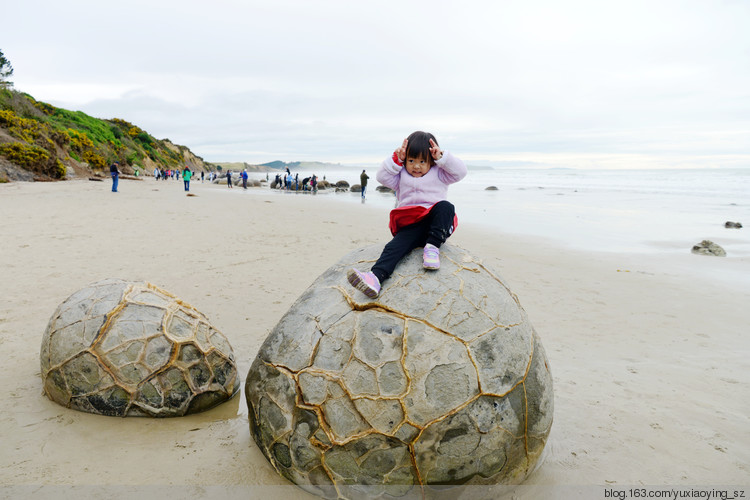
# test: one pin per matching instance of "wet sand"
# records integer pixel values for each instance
(651, 361)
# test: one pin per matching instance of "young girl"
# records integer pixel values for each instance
(419, 172)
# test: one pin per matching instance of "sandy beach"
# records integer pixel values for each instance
(650, 355)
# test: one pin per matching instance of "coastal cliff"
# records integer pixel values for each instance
(40, 142)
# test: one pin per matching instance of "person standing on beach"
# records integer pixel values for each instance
(186, 176)
(363, 182)
(114, 171)
(229, 178)
(202, 175)
(244, 179)
(419, 172)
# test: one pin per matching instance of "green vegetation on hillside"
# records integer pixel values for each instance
(43, 139)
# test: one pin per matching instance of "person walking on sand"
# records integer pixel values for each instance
(363, 182)
(186, 176)
(419, 172)
(229, 178)
(114, 171)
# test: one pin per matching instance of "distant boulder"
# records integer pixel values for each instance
(491, 188)
(707, 247)
(383, 189)
(356, 188)
(342, 184)
(733, 225)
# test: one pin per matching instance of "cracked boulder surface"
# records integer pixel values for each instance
(441, 380)
(123, 348)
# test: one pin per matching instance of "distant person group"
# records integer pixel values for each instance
(185, 174)
(290, 182)
(286, 181)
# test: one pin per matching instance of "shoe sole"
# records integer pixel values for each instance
(360, 284)
(431, 267)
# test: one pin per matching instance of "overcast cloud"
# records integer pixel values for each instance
(568, 83)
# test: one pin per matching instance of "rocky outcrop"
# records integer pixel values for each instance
(733, 225)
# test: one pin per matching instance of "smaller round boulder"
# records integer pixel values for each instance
(124, 348)
(707, 247)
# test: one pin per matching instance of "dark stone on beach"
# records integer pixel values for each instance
(12, 172)
(95, 179)
(356, 188)
(491, 188)
(383, 189)
(342, 184)
(707, 247)
(733, 225)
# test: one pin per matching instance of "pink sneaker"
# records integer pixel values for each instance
(365, 282)
(431, 257)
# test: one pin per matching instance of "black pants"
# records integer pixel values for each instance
(433, 229)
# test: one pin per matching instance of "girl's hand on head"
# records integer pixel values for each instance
(401, 152)
(435, 151)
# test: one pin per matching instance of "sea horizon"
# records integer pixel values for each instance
(620, 210)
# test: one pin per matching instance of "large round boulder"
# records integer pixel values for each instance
(439, 380)
(127, 348)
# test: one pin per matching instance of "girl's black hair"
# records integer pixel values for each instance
(418, 146)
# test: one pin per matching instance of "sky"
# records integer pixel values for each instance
(567, 83)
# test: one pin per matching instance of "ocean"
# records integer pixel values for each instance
(654, 211)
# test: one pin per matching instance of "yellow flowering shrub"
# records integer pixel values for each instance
(94, 160)
(26, 129)
(79, 141)
(61, 170)
(26, 155)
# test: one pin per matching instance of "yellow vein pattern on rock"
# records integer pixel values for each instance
(126, 348)
(440, 380)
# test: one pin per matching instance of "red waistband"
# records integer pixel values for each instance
(405, 216)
